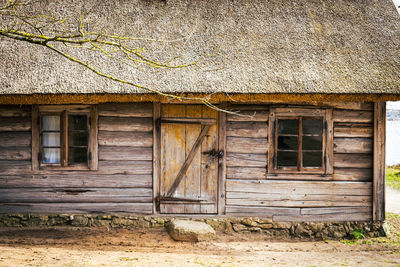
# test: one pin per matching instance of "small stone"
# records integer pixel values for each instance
(192, 231)
(101, 223)
(264, 220)
(265, 226)
(238, 227)
(385, 229)
(79, 220)
(249, 222)
(255, 229)
(281, 225)
(116, 221)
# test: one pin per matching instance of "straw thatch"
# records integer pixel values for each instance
(244, 46)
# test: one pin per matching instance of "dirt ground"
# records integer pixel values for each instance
(67, 246)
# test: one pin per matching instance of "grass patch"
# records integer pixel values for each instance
(393, 177)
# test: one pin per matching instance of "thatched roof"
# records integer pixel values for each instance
(271, 46)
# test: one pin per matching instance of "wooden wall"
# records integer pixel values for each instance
(345, 195)
(123, 182)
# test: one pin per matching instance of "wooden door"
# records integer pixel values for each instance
(189, 159)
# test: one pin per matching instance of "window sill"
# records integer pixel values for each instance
(77, 167)
(300, 176)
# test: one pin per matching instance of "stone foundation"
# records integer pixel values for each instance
(265, 226)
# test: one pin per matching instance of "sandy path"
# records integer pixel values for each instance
(122, 247)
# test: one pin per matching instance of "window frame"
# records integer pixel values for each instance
(63, 111)
(327, 141)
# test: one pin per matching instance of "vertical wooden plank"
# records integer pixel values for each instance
(379, 161)
(93, 143)
(156, 153)
(35, 138)
(193, 174)
(221, 197)
(209, 166)
(172, 154)
(271, 141)
(329, 142)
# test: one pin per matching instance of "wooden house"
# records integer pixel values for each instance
(308, 80)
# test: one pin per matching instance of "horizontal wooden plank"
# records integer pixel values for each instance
(60, 108)
(249, 115)
(75, 195)
(296, 200)
(248, 107)
(126, 167)
(353, 130)
(15, 153)
(262, 211)
(247, 129)
(246, 160)
(352, 145)
(138, 139)
(15, 124)
(350, 105)
(125, 153)
(352, 160)
(354, 116)
(133, 208)
(15, 111)
(334, 210)
(299, 187)
(246, 145)
(125, 124)
(301, 177)
(346, 174)
(15, 139)
(202, 121)
(75, 180)
(246, 172)
(360, 216)
(11, 167)
(126, 110)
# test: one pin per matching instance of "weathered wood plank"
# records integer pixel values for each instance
(247, 129)
(221, 195)
(362, 216)
(15, 153)
(300, 187)
(246, 160)
(379, 161)
(352, 174)
(353, 130)
(35, 137)
(75, 195)
(15, 111)
(264, 211)
(139, 139)
(156, 154)
(334, 210)
(246, 145)
(248, 107)
(125, 124)
(352, 160)
(125, 153)
(15, 139)
(296, 204)
(247, 173)
(133, 208)
(352, 145)
(353, 116)
(15, 124)
(126, 110)
(75, 180)
(249, 115)
(93, 145)
(15, 167)
(126, 167)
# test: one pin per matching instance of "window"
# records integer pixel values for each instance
(301, 141)
(64, 137)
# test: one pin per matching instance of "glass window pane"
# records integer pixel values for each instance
(288, 126)
(51, 155)
(50, 123)
(312, 159)
(312, 142)
(287, 159)
(288, 142)
(312, 126)
(77, 122)
(50, 139)
(78, 139)
(77, 155)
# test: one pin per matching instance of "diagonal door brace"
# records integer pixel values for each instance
(188, 160)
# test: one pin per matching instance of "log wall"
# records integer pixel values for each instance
(345, 195)
(122, 184)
